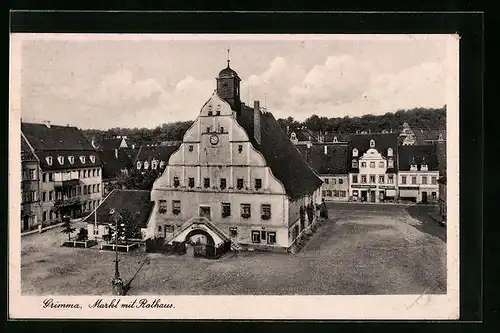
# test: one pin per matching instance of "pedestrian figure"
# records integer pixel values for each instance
(323, 212)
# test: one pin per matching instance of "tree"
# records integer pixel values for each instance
(67, 228)
(83, 235)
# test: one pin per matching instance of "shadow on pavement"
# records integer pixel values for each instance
(429, 225)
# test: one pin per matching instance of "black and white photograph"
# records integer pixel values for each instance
(234, 176)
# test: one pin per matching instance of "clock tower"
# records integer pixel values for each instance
(228, 87)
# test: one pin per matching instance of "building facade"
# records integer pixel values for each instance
(30, 188)
(69, 171)
(235, 175)
(373, 167)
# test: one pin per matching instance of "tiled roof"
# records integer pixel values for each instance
(110, 143)
(285, 161)
(137, 202)
(111, 166)
(422, 154)
(56, 137)
(303, 134)
(66, 154)
(26, 152)
(383, 141)
(159, 153)
(425, 136)
(127, 156)
(333, 162)
(329, 137)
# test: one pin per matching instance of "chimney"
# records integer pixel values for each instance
(326, 150)
(47, 123)
(256, 121)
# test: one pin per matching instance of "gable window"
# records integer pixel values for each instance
(372, 164)
(176, 207)
(139, 164)
(355, 152)
(82, 159)
(372, 179)
(389, 152)
(92, 158)
(60, 159)
(255, 236)
(71, 159)
(403, 179)
(381, 179)
(372, 143)
(424, 180)
(413, 180)
(190, 148)
(162, 206)
(217, 112)
(258, 183)
(176, 182)
(413, 167)
(210, 112)
(390, 179)
(233, 231)
(191, 182)
(363, 179)
(363, 164)
(225, 209)
(240, 148)
(327, 181)
(245, 211)
(381, 164)
(265, 211)
(355, 179)
(390, 164)
(239, 183)
(222, 183)
(206, 182)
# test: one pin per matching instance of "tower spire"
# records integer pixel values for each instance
(228, 59)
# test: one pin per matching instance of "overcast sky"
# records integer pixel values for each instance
(144, 83)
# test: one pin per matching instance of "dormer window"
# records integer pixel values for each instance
(210, 110)
(354, 164)
(92, 158)
(440, 137)
(139, 165)
(162, 164)
(60, 159)
(424, 167)
(355, 152)
(389, 152)
(71, 159)
(146, 165)
(49, 160)
(293, 136)
(82, 159)
(335, 139)
(372, 143)
(154, 164)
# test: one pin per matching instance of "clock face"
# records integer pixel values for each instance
(214, 139)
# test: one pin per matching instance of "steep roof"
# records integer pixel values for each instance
(160, 153)
(42, 137)
(66, 154)
(333, 162)
(110, 143)
(111, 166)
(421, 154)
(303, 134)
(285, 161)
(135, 201)
(127, 156)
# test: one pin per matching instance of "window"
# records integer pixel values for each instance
(355, 193)
(191, 182)
(206, 182)
(154, 164)
(210, 112)
(176, 207)
(44, 177)
(51, 214)
(82, 159)
(414, 179)
(208, 129)
(424, 180)
(51, 177)
(233, 231)
(363, 179)
(434, 180)
(413, 167)
(51, 195)
(255, 236)
(159, 228)
(381, 164)
(190, 148)
(265, 211)
(372, 143)
(328, 193)
(94, 188)
(84, 189)
(389, 152)
(355, 179)
(240, 148)
(423, 167)
(354, 164)
(403, 179)
(381, 179)
(341, 181)
(239, 183)
(222, 129)
(323, 193)
(176, 182)
(335, 193)
(162, 206)
(245, 211)
(354, 152)
(343, 193)
(139, 164)
(92, 158)
(258, 183)
(217, 112)
(98, 172)
(44, 196)
(146, 165)
(225, 209)
(372, 179)
(169, 228)
(327, 181)
(222, 183)
(78, 190)
(372, 164)
(44, 216)
(390, 164)
(363, 164)
(434, 195)
(162, 164)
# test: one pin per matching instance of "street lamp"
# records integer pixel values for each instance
(117, 282)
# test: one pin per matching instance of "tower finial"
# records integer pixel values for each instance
(228, 60)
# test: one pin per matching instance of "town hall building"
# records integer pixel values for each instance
(236, 178)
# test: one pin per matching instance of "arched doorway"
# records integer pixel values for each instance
(199, 243)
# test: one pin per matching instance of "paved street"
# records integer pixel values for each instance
(362, 249)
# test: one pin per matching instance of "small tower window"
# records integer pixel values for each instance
(372, 143)
(390, 163)
(240, 148)
(60, 159)
(190, 148)
(389, 152)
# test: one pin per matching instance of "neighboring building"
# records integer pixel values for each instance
(302, 136)
(418, 173)
(30, 188)
(137, 202)
(154, 158)
(69, 175)
(442, 198)
(373, 167)
(329, 161)
(112, 168)
(116, 142)
(236, 175)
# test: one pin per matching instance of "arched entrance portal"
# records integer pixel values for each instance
(199, 243)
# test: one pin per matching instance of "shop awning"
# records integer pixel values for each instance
(390, 193)
(408, 193)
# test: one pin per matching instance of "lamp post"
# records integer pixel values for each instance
(117, 282)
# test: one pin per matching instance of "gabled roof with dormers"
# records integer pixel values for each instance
(418, 155)
(326, 158)
(383, 141)
(55, 137)
(68, 156)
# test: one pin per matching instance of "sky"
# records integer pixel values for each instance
(140, 82)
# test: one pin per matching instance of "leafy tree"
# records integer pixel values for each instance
(67, 228)
(83, 235)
